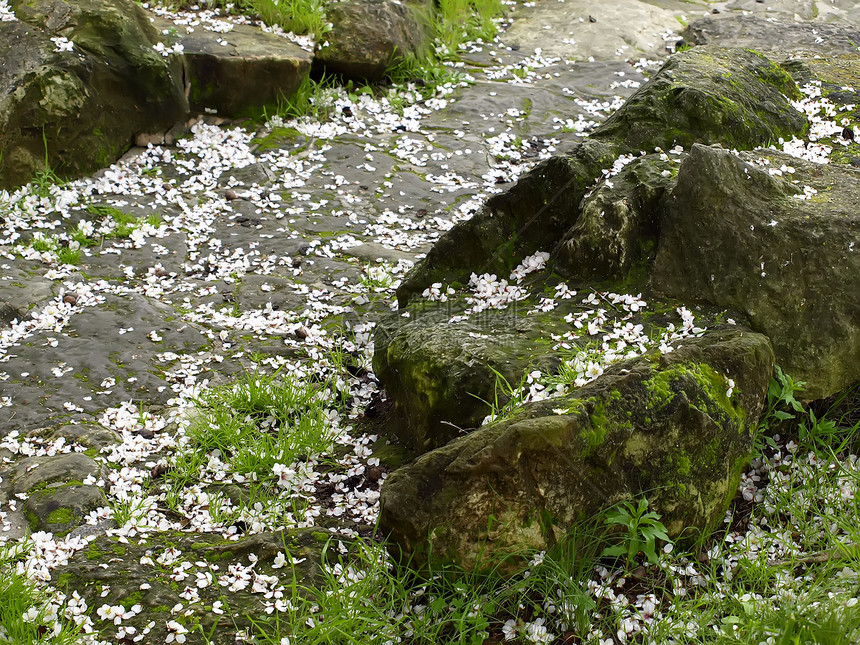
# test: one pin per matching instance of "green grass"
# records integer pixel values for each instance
(64, 254)
(298, 16)
(251, 426)
(791, 576)
(367, 598)
(459, 21)
(27, 613)
(313, 98)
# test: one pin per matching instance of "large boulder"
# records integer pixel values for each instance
(736, 97)
(444, 376)
(709, 95)
(77, 81)
(512, 225)
(675, 427)
(780, 251)
(252, 71)
(369, 36)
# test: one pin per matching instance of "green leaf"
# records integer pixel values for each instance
(613, 551)
(657, 532)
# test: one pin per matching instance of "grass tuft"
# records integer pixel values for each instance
(29, 614)
(258, 423)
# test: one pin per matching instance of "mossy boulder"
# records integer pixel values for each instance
(442, 376)
(672, 427)
(615, 236)
(94, 437)
(40, 472)
(736, 97)
(529, 217)
(370, 36)
(782, 250)
(78, 110)
(151, 571)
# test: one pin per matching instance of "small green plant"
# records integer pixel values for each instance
(43, 244)
(68, 255)
(28, 614)
(45, 179)
(507, 398)
(127, 510)
(781, 406)
(124, 223)
(528, 104)
(377, 278)
(521, 72)
(43, 182)
(312, 98)
(641, 530)
(81, 235)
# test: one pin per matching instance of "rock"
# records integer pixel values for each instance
(252, 72)
(618, 226)
(708, 95)
(140, 571)
(106, 352)
(513, 224)
(610, 30)
(735, 97)
(39, 472)
(86, 104)
(58, 511)
(21, 291)
(369, 36)
(373, 252)
(767, 34)
(669, 426)
(441, 376)
(90, 435)
(736, 237)
(8, 313)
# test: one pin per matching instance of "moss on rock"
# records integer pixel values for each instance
(736, 237)
(130, 574)
(663, 428)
